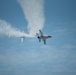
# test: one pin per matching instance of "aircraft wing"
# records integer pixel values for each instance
(41, 32)
(44, 41)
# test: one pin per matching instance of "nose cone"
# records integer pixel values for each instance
(50, 36)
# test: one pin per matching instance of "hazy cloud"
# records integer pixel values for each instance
(34, 13)
(7, 30)
(47, 60)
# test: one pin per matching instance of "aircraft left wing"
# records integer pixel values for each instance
(44, 41)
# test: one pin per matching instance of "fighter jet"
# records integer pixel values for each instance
(43, 37)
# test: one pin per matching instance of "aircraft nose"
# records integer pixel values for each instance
(50, 36)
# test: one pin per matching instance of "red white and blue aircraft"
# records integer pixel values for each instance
(43, 37)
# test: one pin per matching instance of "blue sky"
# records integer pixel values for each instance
(57, 57)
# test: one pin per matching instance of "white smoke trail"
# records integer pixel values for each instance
(34, 13)
(8, 30)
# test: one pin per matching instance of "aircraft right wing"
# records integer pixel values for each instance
(41, 32)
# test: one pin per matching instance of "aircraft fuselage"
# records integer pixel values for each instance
(44, 37)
